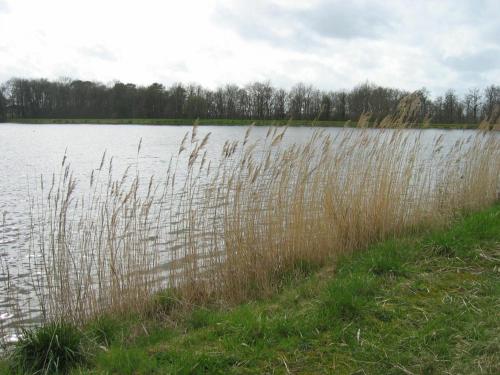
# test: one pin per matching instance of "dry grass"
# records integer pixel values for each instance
(230, 229)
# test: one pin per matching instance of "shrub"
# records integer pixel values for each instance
(51, 349)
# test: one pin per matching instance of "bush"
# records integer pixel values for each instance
(51, 349)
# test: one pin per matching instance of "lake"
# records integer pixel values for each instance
(31, 151)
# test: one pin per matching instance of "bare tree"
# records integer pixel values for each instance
(66, 98)
(491, 100)
(451, 107)
(279, 104)
(472, 103)
(3, 107)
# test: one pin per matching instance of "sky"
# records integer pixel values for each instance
(330, 44)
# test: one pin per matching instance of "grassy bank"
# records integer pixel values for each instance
(423, 304)
(160, 121)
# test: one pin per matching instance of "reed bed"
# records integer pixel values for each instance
(232, 228)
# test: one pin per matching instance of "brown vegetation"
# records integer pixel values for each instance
(230, 229)
(225, 230)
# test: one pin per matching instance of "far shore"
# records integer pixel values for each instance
(224, 122)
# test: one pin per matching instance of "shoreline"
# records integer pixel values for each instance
(212, 122)
(355, 315)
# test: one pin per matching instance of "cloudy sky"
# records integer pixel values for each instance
(332, 44)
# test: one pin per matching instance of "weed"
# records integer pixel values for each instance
(104, 329)
(53, 348)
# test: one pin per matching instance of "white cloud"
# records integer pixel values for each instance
(3, 6)
(331, 44)
(98, 52)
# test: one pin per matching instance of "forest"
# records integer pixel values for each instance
(77, 99)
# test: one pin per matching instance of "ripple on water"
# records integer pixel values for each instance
(5, 316)
(11, 338)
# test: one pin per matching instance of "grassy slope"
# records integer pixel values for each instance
(139, 121)
(419, 305)
(415, 305)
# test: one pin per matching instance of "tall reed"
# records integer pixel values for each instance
(228, 229)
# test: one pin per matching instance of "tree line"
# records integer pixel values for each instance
(66, 98)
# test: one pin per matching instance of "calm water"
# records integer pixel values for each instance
(30, 151)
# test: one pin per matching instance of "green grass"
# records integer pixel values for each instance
(54, 348)
(424, 304)
(162, 121)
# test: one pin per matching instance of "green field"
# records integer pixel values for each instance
(425, 304)
(139, 121)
